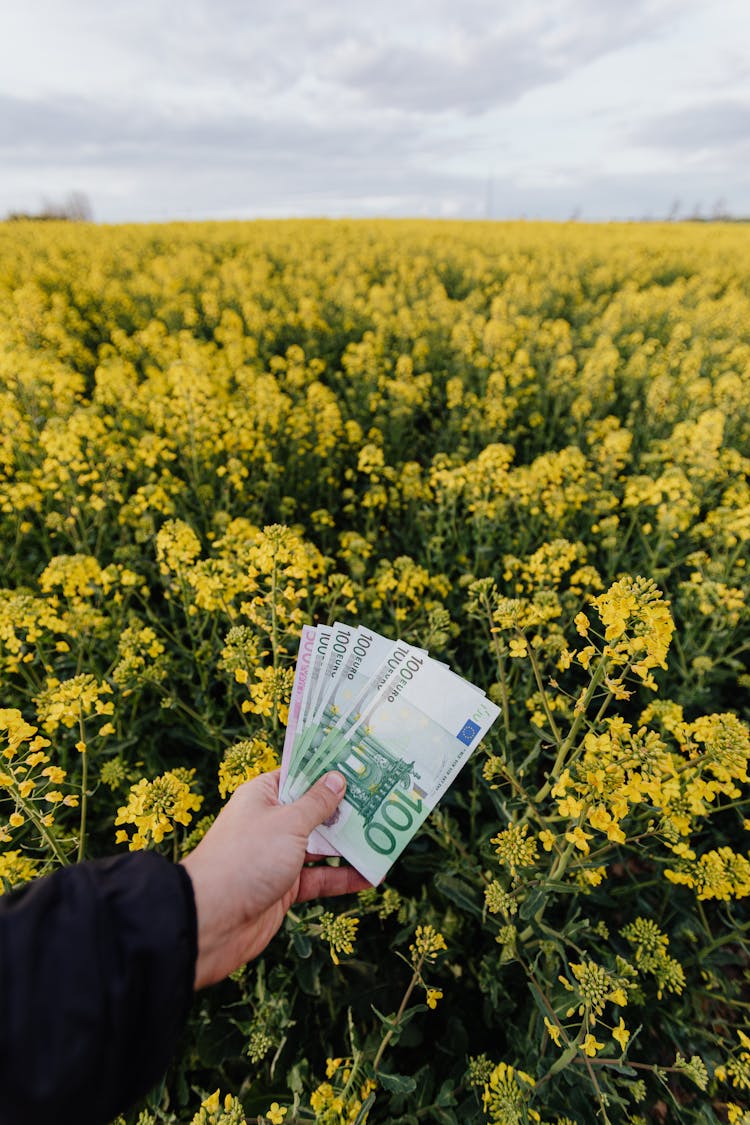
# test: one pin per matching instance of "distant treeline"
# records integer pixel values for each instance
(75, 209)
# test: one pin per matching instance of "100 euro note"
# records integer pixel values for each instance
(345, 681)
(327, 664)
(313, 651)
(370, 660)
(301, 676)
(316, 845)
(415, 732)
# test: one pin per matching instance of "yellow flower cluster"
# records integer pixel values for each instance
(216, 1110)
(737, 1068)
(68, 702)
(340, 932)
(594, 987)
(243, 761)
(141, 659)
(270, 691)
(24, 620)
(637, 625)
(506, 1096)
(16, 868)
(622, 769)
(514, 849)
(428, 943)
(720, 873)
(31, 785)
(156, 807)
(586, 995)
(341, 1100)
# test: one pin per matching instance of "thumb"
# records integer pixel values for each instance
(316, 805)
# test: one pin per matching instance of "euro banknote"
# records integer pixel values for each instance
(396, 723)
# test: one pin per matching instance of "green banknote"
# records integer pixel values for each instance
(324, 676)
(416, 725)
(309, 689)
(372, 660)
(302, 672)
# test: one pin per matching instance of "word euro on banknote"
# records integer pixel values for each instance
(359, 653)
(325, 671)
(370, 657)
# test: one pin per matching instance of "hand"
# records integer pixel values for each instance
(250, 867)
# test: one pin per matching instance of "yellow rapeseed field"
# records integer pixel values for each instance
(524, 446)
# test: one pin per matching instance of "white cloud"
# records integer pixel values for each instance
(219, 107)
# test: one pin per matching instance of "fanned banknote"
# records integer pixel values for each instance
(399, 726)
(309, 657)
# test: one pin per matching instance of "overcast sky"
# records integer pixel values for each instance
(159, 109)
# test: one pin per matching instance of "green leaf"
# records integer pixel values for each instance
(365, 1108)
(460, 893)
(396, 1083)
(530, 906)
(302, 944)
(539, 999)
(623, 1068)
(308, 976)
(393, 1024)
(388, 1022)
(446, 1095)
(443, 1116)
(565, 1058)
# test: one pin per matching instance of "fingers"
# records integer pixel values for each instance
(260, 792)
(316, 805)
(322, 882)
(268, 784)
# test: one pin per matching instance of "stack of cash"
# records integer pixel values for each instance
(396, 723)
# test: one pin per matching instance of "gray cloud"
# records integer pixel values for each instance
(490, 66)
(76, 128)
(233, 165)
(415, 55)
(718, 125)
(488, 74)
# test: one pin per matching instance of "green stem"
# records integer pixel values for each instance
(389, 1034)
(568, 1042)
(356, 1058)
(562, 753)
(84, 801)
(84, 793)
(500, 658)
(42, 830)
(592, 1078)
(556, 872)
(543, 694)
(561, 863)
(704, 919)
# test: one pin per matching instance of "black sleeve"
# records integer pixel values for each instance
(97, 964)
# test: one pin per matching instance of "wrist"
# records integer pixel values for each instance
(208, 942)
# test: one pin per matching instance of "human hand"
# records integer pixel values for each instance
(250, 867)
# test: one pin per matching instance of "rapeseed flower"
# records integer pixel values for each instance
(340, 932)
(154, 808)
(243, 761)
(507, 1094)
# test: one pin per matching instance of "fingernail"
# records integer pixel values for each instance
(336, 782)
